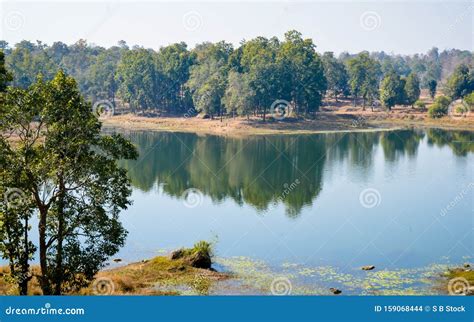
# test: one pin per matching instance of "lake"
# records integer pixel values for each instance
(314, 208)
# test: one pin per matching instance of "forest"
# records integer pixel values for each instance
(218, 79)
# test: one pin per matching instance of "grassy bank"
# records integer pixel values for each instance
(186, 271)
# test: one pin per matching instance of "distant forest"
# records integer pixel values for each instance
(217, 78)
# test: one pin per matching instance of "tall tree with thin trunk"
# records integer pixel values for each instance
(72, 178)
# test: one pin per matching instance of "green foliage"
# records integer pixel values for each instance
(391, 90)
(238, 94)
(439, 108)
(461, 82)
(173, 63)
(104, 84)
(336, 75)
(412, 89)
(443, 101)
(432, 84)
(67, 168)
(420, 104)
(138, 79)
(469, 100)
(28, 60)
(204, 248)
(174, 79)
(303, 73)
(208, 77)
(5, 75)
(364, 75)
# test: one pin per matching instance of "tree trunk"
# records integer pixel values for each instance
(58, 275)
(25, 266)
(44, 280)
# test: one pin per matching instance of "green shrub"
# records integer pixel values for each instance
(437, 110)
(443, 101)
(420, 104)
(469, 100)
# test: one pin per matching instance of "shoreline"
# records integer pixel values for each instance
(162, 275)
(324, 122)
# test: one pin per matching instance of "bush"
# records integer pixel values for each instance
(440, 107)
(437, 110)
(443, 101)
(469, 100)
(420, 104)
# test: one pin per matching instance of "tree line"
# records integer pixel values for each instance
(218, 79)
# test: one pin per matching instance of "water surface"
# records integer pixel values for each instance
(399, 200)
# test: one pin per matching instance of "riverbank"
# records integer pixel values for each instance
(341, 120)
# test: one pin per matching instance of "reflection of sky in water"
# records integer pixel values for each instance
(415, 180)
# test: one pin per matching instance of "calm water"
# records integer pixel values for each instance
(396, 200)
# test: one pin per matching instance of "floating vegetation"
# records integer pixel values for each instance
(256, 277)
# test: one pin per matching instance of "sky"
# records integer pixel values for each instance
(400, 27)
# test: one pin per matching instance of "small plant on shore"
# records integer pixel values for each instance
(204, 248)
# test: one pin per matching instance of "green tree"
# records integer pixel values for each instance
(207, 81)
(103, 83)
(173, 63)
(461, 82)
(412, 89)
(336, 75)
(27, 60)
(138, 79)
(391, 89)
(5, 75)
(238, 96)
(363, 78)
(304, 72)
(432, 84)
(71, 177)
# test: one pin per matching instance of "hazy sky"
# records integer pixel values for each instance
(393, 26)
